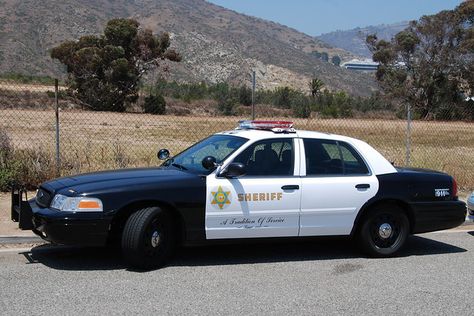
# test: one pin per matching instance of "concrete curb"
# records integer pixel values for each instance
(6, 240)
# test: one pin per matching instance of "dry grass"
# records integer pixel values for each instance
(101, 140)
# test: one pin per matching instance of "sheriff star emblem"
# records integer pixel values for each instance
(220, 198)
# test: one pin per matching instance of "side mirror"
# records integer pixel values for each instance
(234, 170)
(163, 154)
(209, 162)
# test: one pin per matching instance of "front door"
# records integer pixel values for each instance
(263, 203)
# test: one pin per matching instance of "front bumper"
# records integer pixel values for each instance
(85, 229)
(439, 215)
(470, 208)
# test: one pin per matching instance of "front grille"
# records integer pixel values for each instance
(43, 197)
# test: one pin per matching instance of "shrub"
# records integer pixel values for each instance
(25, 166)
(301, 107)
(245, 96)
(227, 106)
(154, 104)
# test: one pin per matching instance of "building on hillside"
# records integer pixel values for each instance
(366, 65)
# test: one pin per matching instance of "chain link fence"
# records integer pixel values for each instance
(36, 147)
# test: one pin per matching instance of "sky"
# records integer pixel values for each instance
(315, 17)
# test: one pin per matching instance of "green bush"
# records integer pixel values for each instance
(301, 106)
(27, 167)
(155, 104)
(226, 106)
(245, 96)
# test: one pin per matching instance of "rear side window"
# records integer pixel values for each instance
(332, 158)
(353, 162)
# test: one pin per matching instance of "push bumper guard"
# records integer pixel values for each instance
(21, 211)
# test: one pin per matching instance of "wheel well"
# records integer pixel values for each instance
(120, 218)
(368, 208)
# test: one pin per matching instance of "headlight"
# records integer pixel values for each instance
(76, 204)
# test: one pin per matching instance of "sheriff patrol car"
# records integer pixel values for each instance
(261, 180)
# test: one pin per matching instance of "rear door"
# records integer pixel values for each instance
(263, 203)
(336, 183)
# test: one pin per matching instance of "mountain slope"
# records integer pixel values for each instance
(354, 40)
(217, 44)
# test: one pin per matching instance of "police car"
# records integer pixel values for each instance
(262, 180)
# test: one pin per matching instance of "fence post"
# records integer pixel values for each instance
(56, 100)
(253, 95)
(408, 137)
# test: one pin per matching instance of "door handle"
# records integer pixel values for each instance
(290, 187)
(362, 186)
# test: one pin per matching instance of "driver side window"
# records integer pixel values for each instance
(271, 157)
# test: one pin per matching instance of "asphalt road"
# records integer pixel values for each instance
(433, 276)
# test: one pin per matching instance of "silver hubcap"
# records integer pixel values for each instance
(155, 239)
(385, 230)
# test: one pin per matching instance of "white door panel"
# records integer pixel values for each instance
(329, 205)
(251, 207)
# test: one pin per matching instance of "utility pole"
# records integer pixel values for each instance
(253, 95)
(408, 137)
(56, 101)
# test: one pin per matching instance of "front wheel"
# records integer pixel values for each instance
(148, 238)
(384, 231)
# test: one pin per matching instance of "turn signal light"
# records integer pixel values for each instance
(86, 204)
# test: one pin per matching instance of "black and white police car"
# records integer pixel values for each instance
(261, 180)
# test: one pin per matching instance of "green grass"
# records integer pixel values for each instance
(21, 78)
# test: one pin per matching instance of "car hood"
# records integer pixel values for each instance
(90, 182)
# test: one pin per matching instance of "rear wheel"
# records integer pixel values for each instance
(148, 238)
(384, 231)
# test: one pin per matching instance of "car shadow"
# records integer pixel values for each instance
(86, 258)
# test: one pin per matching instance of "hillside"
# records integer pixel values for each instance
(354, 40)
(217, 44)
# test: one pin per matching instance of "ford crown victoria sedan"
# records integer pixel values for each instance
(261, 180)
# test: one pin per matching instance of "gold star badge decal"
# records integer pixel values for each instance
(220, 198)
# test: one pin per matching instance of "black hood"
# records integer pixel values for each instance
(104, 180)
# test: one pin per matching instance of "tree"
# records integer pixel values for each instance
(104, 71)
(316, 54)
(315, 86)
(155, 104)
(324, 56)
(336, 60)
(429, 65)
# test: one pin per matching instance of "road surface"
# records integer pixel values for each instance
(319, 277)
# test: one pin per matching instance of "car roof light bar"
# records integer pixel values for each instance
(274, 126)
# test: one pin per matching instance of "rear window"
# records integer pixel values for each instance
(332, 158)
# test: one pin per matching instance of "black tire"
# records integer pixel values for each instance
(379, 240)
(148, 239)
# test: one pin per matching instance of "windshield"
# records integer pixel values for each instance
(217, 146)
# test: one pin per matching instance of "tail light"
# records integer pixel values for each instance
(455, 188)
